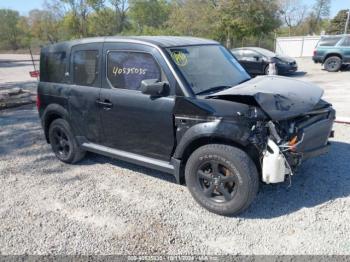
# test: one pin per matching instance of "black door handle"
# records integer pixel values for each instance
(106, 103)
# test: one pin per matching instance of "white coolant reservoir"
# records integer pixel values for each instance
(274, 164)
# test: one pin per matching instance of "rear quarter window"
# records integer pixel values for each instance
(53, 66)
(329, 41)
(85, 63)
(346, 42)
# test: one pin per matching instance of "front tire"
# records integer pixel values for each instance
(63, 142)
(222, 179)
(333, 64)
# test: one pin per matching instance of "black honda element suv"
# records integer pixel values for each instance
(184, 106)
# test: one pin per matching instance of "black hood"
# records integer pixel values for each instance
(280, 97)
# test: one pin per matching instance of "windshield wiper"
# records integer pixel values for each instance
(213, 89)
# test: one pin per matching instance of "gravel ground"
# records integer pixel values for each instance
(105, 206)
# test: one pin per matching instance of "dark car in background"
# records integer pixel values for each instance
(256, 60)
(333, 52)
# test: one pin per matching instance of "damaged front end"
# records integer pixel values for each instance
(297, 127)
(293, 140)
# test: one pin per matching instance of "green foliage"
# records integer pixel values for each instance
(194, 18)
(232, 22)
(240, 19)
(10, 33)
(25, 37)
(337, 24)
(102, 23)
(149, 13)
(71, 25)
(44, 26)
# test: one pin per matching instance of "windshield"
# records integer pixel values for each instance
(208, 67)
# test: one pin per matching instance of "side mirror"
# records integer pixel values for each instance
(153, 87)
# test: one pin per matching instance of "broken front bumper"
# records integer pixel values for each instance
(317, 152)
(316, 129)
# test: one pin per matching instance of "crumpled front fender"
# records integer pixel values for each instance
(189, 130)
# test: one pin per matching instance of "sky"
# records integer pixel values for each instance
(24, 6)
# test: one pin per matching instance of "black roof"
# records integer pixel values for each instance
(169, 41)
(161, 41)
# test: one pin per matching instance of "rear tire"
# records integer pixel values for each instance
(223, 179)
(333, 64)
(63, 142)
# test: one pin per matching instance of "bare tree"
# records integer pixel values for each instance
(56, 7)
(121, 7)
(293, 13)
(320, 10)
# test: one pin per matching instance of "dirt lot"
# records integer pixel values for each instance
(104, 206)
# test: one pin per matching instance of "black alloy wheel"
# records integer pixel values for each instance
(60, 142)
(63, 142)
(222, 178)
(217, 182)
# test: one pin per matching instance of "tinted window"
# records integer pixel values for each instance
(53, 67)
(127, 69)
(85, 67)
(329, 41)
(346, 42)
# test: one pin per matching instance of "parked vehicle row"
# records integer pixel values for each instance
(333, 52)
(184, 106)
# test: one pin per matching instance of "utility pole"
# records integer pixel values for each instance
(347, 23)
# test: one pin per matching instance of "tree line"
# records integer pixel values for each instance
(232, 22)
